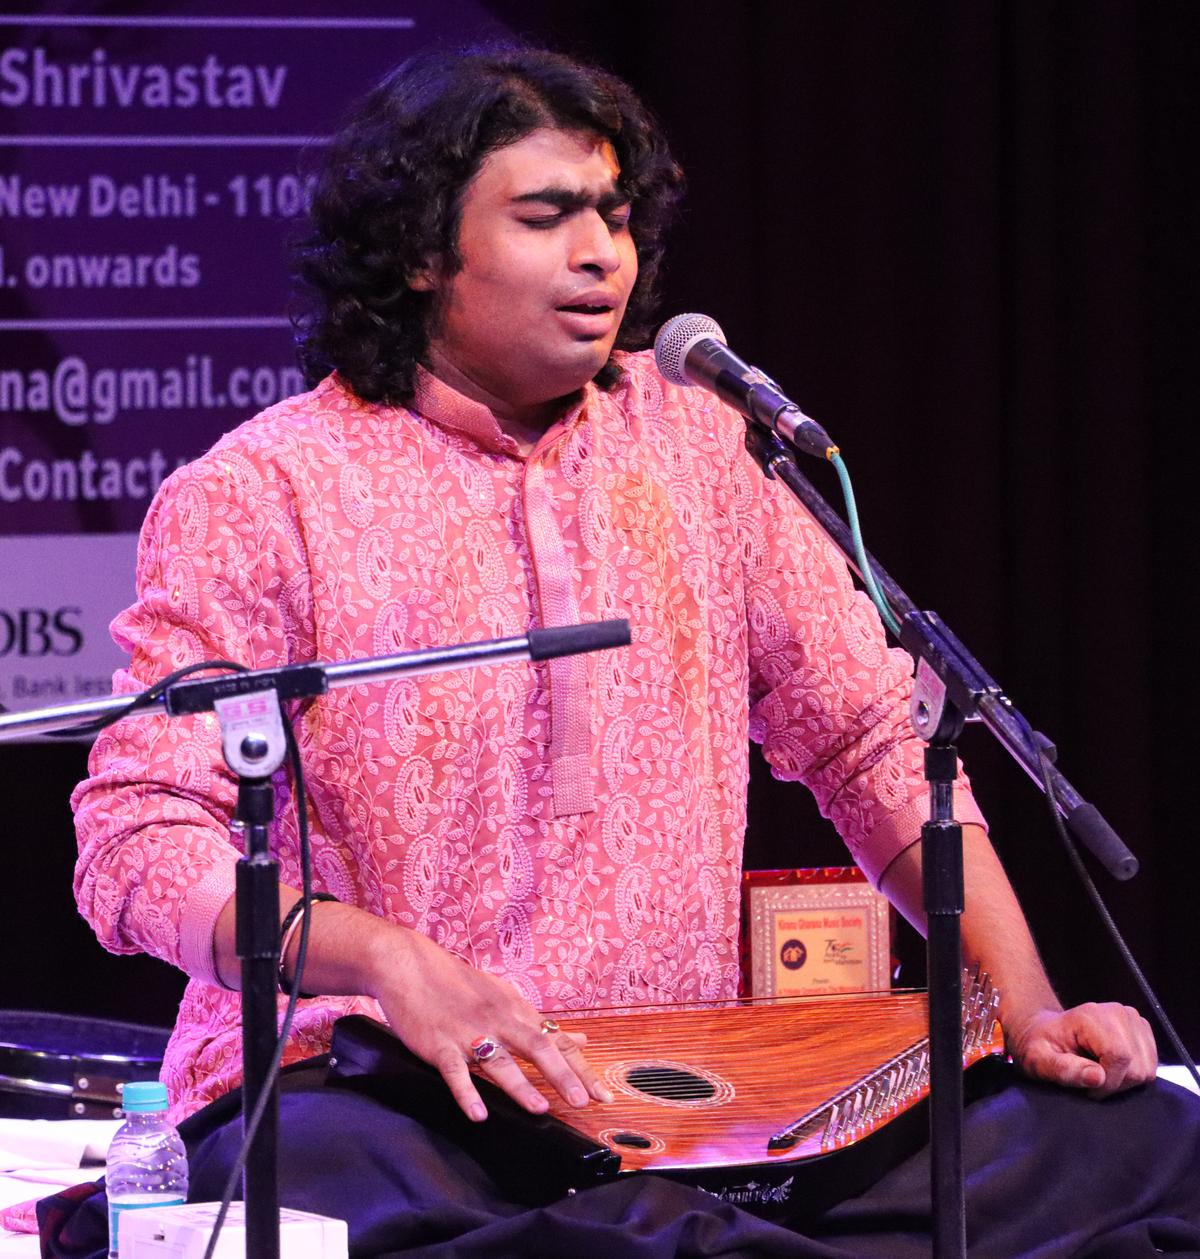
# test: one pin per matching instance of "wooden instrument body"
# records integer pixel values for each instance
(769, 1104)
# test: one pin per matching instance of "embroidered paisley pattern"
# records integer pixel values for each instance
(329, 528)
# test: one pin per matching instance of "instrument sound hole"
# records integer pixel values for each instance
(669, 1083)
(634, 1140)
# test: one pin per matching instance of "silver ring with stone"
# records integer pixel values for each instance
(484, 1048)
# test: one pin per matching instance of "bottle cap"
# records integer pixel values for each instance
(143, 1095)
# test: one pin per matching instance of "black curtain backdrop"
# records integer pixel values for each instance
(962, 235)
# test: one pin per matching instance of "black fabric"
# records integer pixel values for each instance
(74, 1222)
(1049, 1174)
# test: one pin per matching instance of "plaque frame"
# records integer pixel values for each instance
(768, 895)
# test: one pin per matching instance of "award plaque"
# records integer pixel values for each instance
(810, 932)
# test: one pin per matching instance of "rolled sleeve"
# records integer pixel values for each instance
(829, 699)
(156, 862)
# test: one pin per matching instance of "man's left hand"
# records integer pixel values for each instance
(1102, 1047)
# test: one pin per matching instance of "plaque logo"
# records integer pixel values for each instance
(793, 954)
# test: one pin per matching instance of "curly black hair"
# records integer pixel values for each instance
(389, 196)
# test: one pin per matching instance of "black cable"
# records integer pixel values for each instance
(1093, 892)
(145, 699)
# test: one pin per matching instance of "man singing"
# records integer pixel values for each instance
(487, 449)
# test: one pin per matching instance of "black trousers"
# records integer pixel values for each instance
(1049, 1173)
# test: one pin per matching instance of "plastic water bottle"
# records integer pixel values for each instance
(146, 1164)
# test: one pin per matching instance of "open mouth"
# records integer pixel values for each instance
(582, 309)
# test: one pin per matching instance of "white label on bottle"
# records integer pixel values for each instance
(135, 1202)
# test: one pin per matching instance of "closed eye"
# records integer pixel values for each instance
(616, 220)
(560, 203)
(544, 220)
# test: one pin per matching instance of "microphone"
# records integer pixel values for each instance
(691, 350)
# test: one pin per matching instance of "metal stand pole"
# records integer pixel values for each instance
(942, 869)
(254, 745)
(258, 951)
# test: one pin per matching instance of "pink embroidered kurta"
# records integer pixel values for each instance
(576, 826)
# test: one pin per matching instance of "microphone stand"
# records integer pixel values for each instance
(254, 745)
(951, 688)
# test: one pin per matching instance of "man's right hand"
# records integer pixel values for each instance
(436, 1003)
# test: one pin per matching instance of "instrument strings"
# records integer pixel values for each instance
(756, 1045)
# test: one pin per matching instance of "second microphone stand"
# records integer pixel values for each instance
(951, 688)
(254, 744)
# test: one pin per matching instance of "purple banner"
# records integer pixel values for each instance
(150, 178)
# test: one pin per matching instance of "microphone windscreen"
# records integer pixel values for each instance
(676, 337)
